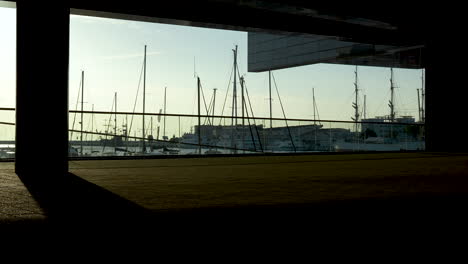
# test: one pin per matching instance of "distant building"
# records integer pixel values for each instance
(300, 138)
(384, 128)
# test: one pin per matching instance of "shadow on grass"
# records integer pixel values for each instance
(69, 199)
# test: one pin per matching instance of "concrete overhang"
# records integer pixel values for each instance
(354, 27)
(392, 25)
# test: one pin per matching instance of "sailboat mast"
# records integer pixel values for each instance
(419, 107)
(115, 122)
(271, 109)
(126, 134)
(313, 102)
(242, 106)
(364, 110)
(234, 98)
(199, 117)
(315, 123)
(391, 104)
(214, 101)
(144, 91)
(355, 104)
(92, 127)
(423, 102)
(82, 102)
(242, 99)
(164, 118)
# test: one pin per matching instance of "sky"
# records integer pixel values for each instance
(110, 52)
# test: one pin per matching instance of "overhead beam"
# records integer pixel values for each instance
(235, 16)
(394, 25)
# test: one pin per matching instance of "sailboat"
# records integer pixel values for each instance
(73, 151)
(212, 150)
(165, 149)
(116, 141)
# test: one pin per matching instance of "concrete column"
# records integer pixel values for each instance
(446, 88)
(42, 89)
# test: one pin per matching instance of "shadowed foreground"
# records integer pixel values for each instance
(292, 194)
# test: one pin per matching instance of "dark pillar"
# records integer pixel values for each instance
(446, 86)
(42, 89)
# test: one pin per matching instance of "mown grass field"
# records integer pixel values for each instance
(162, 184)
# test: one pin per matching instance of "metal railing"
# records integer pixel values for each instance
(120, 134)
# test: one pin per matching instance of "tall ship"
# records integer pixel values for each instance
(384, 133)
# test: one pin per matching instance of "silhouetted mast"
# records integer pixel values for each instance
(284, 115)
(423, 101)
(151, 131)
(234, 98)
(271, 109)
(355, 104)
(214, 101)
(313, 102)
(144, 98)
(242, 101)
(92, 127)
(199, 117)
(82, 102)
(392, 94)
(364, 114)
(115, 122)
(419, 107)
(164, 118)
(242, 106)
(315, 122)
(316, 112)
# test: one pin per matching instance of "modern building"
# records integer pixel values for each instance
(427, 35)
(355, 33)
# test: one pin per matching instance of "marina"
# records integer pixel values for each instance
(241, 131)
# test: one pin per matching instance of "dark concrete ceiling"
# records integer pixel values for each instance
(386, 23)
(354, 22)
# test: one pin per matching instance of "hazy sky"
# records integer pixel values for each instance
(111, 54)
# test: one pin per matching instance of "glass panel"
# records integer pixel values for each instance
(7, 79)
(171, 73)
